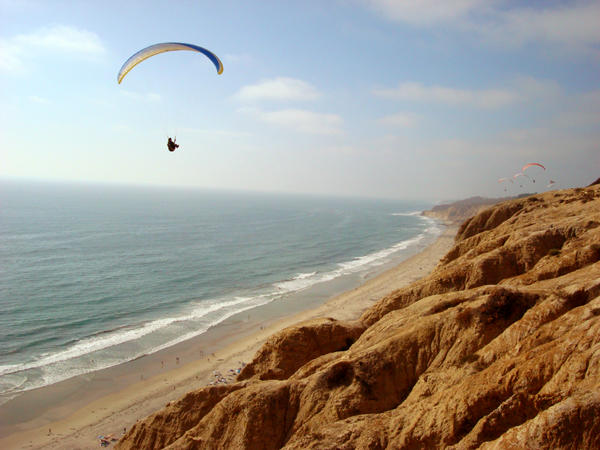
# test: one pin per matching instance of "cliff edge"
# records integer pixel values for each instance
(461, 210)
(498, 348)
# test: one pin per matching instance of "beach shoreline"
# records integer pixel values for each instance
(73, 413)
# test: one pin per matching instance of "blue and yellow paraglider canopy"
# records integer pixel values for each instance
(155, 49)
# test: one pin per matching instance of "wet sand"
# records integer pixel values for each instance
(73, 413)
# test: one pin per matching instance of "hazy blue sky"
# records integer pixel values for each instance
(409, 98)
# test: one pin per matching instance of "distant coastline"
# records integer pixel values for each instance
(458, 211)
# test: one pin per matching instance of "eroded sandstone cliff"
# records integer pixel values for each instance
(498, 348)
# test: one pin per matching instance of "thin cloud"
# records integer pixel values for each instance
(305, 121)
(39, 100)
(10, 60)
(427, 12)
(279, 89)
(220, 133)
(402, 120)
(522, 88)
(491, 98)
(63, 39)
(58, 40)
(300, 120)
(573, 26)
(531, 88)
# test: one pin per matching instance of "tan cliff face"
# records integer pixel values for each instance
(498, 348)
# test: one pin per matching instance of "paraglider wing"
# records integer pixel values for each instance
(148, 52)
(533, 164)
(521, 175)
(504, 179)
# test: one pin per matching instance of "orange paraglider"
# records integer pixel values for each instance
(504, 179)
(533, 164)
(521, 175)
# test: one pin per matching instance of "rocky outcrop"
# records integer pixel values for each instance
(498, 348)
(285, 352)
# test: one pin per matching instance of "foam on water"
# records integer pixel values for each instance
(412, 213)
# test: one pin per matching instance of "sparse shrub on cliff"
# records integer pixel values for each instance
(464, 316)
(473, 358)
(340, 374)
(499, 307)
(553, 252)
(348, 343)
(503, 306)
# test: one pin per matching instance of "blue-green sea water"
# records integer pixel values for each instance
(92, 276)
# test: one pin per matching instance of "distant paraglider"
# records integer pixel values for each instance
(521, 175)
(504, 179)
(518, 176)
(533, 164)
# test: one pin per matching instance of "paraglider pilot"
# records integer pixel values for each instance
(171, 145)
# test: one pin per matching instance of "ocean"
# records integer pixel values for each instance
(92, 276)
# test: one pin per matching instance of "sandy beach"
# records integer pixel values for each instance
(72, 414)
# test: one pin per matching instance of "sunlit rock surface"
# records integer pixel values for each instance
(498, 348)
